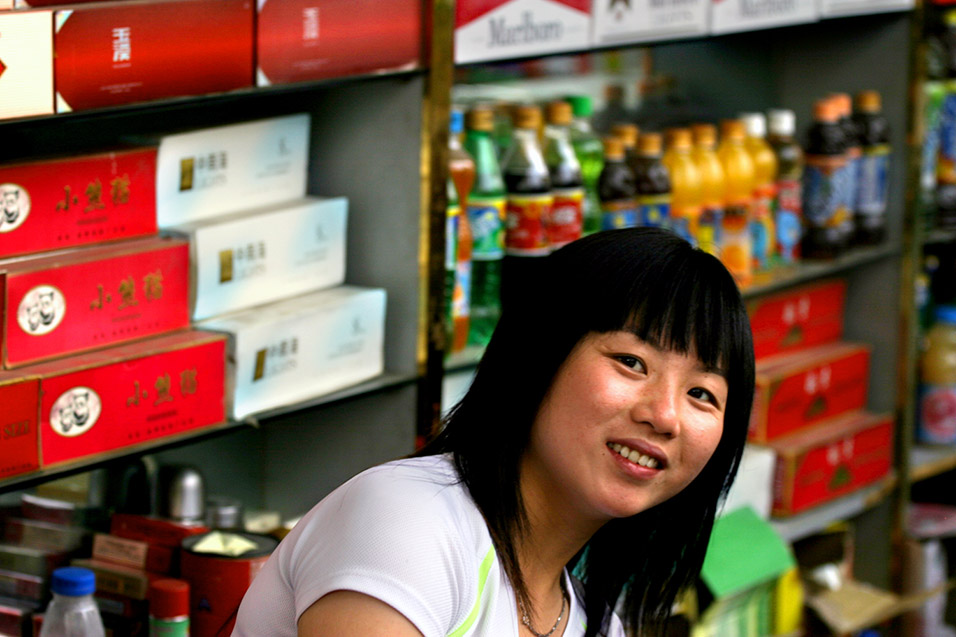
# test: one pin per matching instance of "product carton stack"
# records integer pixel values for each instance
(268, 262)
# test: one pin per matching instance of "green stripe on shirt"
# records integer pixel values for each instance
(483, 571)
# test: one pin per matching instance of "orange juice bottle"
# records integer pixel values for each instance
(685, 184)
(765, 190)
(735, 249)
(711, 219)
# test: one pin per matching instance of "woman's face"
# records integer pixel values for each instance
(614, 395)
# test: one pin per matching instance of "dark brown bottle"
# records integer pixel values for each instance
(652, 181)
(616, 188)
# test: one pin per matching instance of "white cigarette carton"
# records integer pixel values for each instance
(840, 8)
(728, 16)
(26, 63)
(215, 171)
(647, 20)
(265, 255)
(304, 347)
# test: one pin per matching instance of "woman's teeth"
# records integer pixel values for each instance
(634, 456)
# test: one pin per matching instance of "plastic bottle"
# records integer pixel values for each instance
(937, 420)
(452, 221)
(735, 244)
(789, 214)
(616, 188)
(590, 153)
(614, 110)
(762, 229)
(168, 608)
(854, 153)
(462, 169)
(628, 134)
(72, 612)
(873, 179)
(685, 184)
(486, 216)
(711, 188)
(946, 159)
(652, 181)
(824, 203)
(529, 199)
(567, 185)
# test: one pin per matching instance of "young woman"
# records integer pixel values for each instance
(604, 423)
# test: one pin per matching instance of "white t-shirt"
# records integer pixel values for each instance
(407, 533)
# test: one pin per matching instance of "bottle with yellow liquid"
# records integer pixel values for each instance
(711, 219)
(764, 244)
(735, 249)
(685, 184)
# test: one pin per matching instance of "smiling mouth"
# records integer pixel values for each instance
(633, 455)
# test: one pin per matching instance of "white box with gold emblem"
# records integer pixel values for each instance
(216, 171)
(265, 255)
(26, 63)
(304, 347)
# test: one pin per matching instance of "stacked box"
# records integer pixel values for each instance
(797, 319)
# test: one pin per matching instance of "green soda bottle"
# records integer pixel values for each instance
(590, 152)
(486, 214)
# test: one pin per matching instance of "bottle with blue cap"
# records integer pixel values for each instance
(72, 613)
(937, 404)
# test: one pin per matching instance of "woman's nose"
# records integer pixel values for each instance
(659, 406)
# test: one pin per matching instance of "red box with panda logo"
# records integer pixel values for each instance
(794, 391)
(78, 300)
(831, 459)
(19, 433)
(130, 394)
(803, 317)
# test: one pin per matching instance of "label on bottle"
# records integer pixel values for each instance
(525, 219)
(937, 406)
(825, 180)
(761, 241)
(451, 238)
(735, 245)
(709, 226)
(566, 222)
(175, 627)
(461, 294)
(788, 219)
(653, 210)
(873, 184)
(619, 213)
(487, 219)
(853, 158)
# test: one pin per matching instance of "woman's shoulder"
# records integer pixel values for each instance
(421, 482)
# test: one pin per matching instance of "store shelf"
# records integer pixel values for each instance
(939, 236)
(927, 461)
(818, 518)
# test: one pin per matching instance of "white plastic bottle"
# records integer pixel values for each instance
(72, 613)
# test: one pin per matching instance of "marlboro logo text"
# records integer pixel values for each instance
(526, 32)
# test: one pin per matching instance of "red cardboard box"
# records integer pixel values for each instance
(130, 394)
(19, 432)
(73, 201)
(155, 531)
(300, 40)
(796, 390)
(797, 319)
(830, 460)
(112, 53)
(68, 302)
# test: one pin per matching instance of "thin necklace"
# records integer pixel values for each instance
(527, 620)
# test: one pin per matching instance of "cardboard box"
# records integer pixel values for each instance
(54, 511)
(130, 394)
(304, 347)
(301, 40)
(113, 53)
(831, 459)
(67, 302)
(728, 16)
(839, 8)
(266, 255)
(797, 319)
(73, 201)
(497, 29)
(32, 587)
(134, 553)
(26, 60)
(30, 561)
(648, 20)
(797, 390)
(155, 531)
(44, 535)
(19, 428)
(215, 171)
(118, 580)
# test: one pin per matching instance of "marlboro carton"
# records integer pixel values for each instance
(73, 201)
(19, 428)
(26, 60)
(797, 319)
(67, 302)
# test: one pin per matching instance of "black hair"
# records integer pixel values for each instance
(654, 284)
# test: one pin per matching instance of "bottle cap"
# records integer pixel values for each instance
(946, 314)
(627, 133)
(558, 113)
(843, 102)
(869, 102)
(73, 581)
(755, 124)
(527, 116)
(732, 129)
(168, 598)
(679, 138)
(580, 105)
(782, 122)
(456, 121)
(613, 148)
(480, 117)
(704, 134)
(650, 144)
(826, 110)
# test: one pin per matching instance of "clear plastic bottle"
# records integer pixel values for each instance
(590, 152)
(937, 420)
(762, 230)
(72, 613)
(789, 214)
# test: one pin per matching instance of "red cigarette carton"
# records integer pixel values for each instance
(832, 459)
(797, 319)
(73, 201)
(76, 300)
(296, 43)
(112, 53)
(19, 428)
(126, 395)
(156, 531)
(796, 390)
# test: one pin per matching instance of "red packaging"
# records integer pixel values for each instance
(796, 390)
(113, 53)
(830, 460)
(155, 531)
(134, 553)
(127, 395)
(295, 44)
(797, 319)
(82, 299)
(20, 400)
(73, 201)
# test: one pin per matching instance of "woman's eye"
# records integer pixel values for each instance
(631, 361)
(702, 394)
